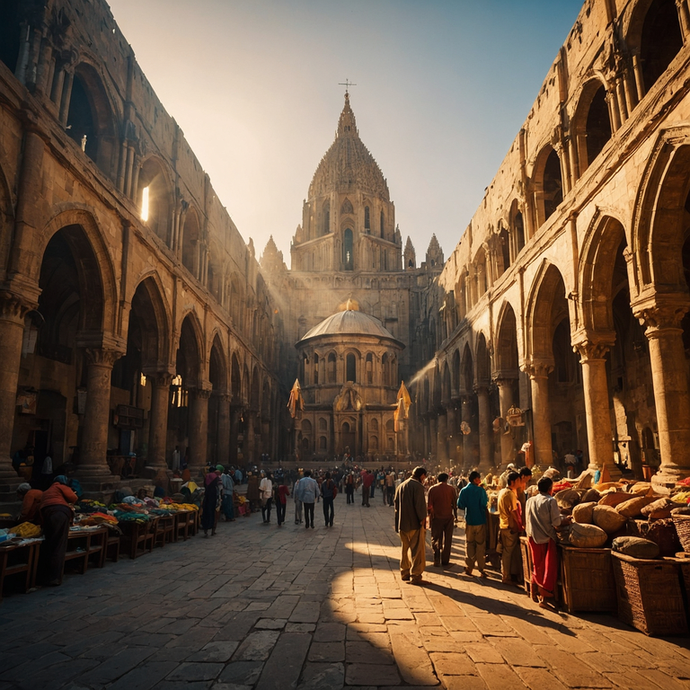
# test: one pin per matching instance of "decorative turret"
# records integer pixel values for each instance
(434, 254)
(272, 262)
(410, 256)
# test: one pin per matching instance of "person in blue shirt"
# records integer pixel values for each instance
(473, 500)
(307, 491)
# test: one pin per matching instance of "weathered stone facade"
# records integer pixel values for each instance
(133, 316)
(349, 247)
(567, 294)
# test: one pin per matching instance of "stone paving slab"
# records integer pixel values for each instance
(257, 608)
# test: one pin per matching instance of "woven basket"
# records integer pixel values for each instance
(682, 523)
(649, 595)
(588, 582)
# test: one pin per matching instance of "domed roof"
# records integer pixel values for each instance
(350, 322)
(348, 165)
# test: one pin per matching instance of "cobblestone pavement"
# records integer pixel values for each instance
(261, 607)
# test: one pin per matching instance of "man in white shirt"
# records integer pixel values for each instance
(307, 491)
(266, 496)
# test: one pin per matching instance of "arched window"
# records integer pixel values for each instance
(548, 184)
(382, 223)
(351, 368)
(519, 227)
(598, 124)
(370, 369)
(367, 221)
(326, 218)
(348, 257)
(374, 443)
(305, 369)
(385, 370)
(374, 426)
(323, 425)
(190, 243)
(154, 197)
(331, 368)
(323, 444)
(660, 41)
(504, 240)
(89, 119)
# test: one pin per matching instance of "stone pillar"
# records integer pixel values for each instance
(671, 397)
(235, 413)
(466, 412)
(432, 436)
(541, 415)
(198, 428)
(158, 421)
(683, 19)
(639, 79)
(596, 390)
(442, 439)
(224, 429)
(12, 313)
(505, 402)
(93, 463)
(484, 428)
(250, 439)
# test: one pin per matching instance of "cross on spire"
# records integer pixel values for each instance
(347, 84)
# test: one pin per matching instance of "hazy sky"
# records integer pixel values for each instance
(443, 87)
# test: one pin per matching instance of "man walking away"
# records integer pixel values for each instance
(307, 492)
(510, 526)
(390, 488)
(266, 493)
(543, 517)
(281, 500)
(227, 505)
(473, 500)
(441, 508)
(367, 483)
(410, 522)
(298, 503)
(328, 492)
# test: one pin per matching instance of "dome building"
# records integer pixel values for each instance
(349, 374)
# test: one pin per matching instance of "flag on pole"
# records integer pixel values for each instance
(402, 407)
(296, 402)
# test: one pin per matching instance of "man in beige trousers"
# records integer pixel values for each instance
(410, 523)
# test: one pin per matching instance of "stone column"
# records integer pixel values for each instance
(224, 429)
(639, 79)
(235, 413)
(158, 422)
(432, 437)
(596, 390)
(93, 463)
(198, 428)
(250, 439)
(505, 402)
(541, 415)
(484, 428)
(671, 397)
(466, 416)
(12, 312)
(442, 439)
(683, 19)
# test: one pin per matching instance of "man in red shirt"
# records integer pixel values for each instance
(367, 481)
(441, 507)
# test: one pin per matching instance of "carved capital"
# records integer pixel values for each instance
(13, 307)
(200, 393)
(593, 346)
(102, 357)
(660, 318)
(538, 369)
(160, 379)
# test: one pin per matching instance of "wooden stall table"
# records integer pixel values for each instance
(138, 537)
(19, 559)
(84, 544)
(166, 529)
(186, 524)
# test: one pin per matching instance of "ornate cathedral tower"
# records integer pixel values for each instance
(348, 220)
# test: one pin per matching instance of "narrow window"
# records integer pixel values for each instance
(367, 221)
(351, 368)
(348, 258)
(382, 224)
(145, 204)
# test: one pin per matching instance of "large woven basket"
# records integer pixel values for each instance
(649, 595)
(588, 581)
(682, 523)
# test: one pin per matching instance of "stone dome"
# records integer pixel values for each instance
(347, 165)
(350, 322)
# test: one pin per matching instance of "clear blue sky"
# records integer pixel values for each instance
(442, 89)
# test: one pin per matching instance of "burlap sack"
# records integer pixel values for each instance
(614, 498)
(582, 513)
(591, 495)
(608, 518)
(586, 536)
(633, 506)
(659, 509)
(567, 498)
(636, 547)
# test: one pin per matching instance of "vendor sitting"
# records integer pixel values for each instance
(31, 502)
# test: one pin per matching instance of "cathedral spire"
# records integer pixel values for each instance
(347, 123)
